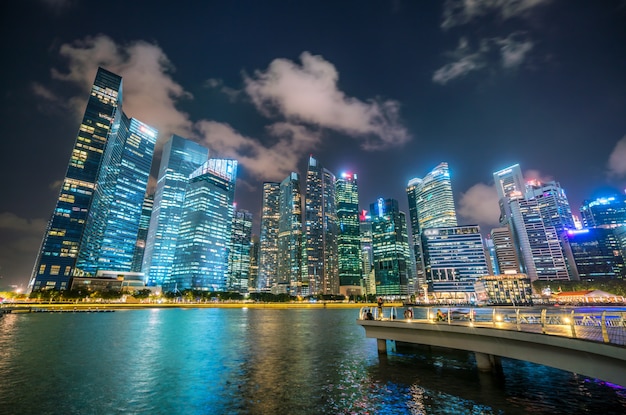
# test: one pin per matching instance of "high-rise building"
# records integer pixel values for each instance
(431, 205)
(239, 255)
(596, 253)
(110, 235)
(454, 258)
(201, 257)
(268, 249)
(553, 204)
(142, 233)
(180, 158)
(608, 211)
(367, 254)
(320, 231)
(289, 254)
(255, 248)
(349, 239)
(506, 254)
(390, 246)
(56, 260)
(510, 182)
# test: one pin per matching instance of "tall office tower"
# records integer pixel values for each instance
(608, 211)
(110, 234)
(179, 159)
(268, 249)
(539, 243)
(491, 254)
(349, 238)
(553, 204)
(201, 257)
(390, 246)
(506, 255)
(239, 255)
(142, 233)
(367, 255)
(454, 258)
(289, 254)
(58, 253)
(255, 248)
(431, 205)
(595, 253)
(510, 182)
(320, 231)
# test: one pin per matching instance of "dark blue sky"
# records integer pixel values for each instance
(386, 89)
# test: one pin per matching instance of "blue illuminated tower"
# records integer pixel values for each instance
(180, 158)
(201, 257)
(142, 234)
(608, 211)
(348, 238)
(110, 235)
(390, 246)
(59, 250)
(239, 255)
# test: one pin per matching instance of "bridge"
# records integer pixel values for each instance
(587, 341)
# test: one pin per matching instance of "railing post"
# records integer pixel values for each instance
(573, 324)
(519, 328)
(605, 333)
(493, 317)
(543, 321)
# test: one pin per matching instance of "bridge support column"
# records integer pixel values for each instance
(382, 346)
(487, 362)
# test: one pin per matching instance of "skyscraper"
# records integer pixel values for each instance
(112, 225)
(348, 239)
(289, 254)
(142, 233)
(180, 158)
(268, 240)
(507, 258)
(608, 211)
(431, 205)
(201, 257)
(510, 182)
(320, 231)
(390, 246)
(59, 250)
(595, 253)
(239, 255)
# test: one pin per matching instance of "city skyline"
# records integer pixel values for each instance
(386, 90)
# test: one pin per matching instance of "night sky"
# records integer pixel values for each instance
(384, 89)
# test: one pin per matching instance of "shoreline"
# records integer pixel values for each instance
(23, 307)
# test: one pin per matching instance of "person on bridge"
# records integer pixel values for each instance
(380, 308)
(440, 315)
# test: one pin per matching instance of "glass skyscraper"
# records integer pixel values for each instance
(56, 260)
(608, 211)
(201, 257)
(268, 240)
(142, 234)
(110, 236)
(390, 246)
(239, 255)
(180, 158)
(289, 254)
(320, 231)
(349, 239)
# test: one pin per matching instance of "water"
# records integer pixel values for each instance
(260, 361)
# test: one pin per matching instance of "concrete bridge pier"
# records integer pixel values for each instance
(382, 346)
(487, 362)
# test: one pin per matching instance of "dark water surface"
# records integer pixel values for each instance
(260, 361)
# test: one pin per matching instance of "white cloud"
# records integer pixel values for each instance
(513, 51)
(273, 162)
(617, 159)
(479, 205)
(308, 93)
(537, 175)
(150, 93)
(460, 12)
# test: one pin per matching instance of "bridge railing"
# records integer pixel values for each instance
(601, 326)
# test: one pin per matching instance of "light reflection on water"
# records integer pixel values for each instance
(257, 361)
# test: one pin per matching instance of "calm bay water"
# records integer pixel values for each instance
(260, 361)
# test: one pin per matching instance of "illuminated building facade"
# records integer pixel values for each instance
(110, 235)
(201, 258)
(255, 248)
(367, 255)
(390, 248)
(508, 289)
(349, 239)
(142, 233)
(56, 260)
(320, 231)
(505, 251)
(289, 254)
(180, 158)
(268, 240)
(609, 211)
(596, 253)
(239, 255)
(454, 258)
